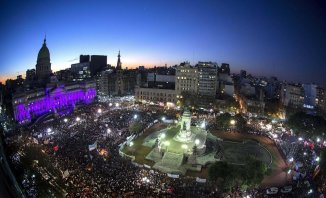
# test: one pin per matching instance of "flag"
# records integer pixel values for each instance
(65, 174)
(200, 180)
(56, 148)
(92, 146)
(35, 140)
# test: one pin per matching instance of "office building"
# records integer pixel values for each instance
(186, 79)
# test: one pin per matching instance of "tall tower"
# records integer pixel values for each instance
(43, 65)
(119, 62)
(119, 78)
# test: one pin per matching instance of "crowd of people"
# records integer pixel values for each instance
(84, 147)
(101, 171)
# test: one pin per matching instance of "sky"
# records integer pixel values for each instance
(286, 39)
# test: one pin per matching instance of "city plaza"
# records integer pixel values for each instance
(94, 145)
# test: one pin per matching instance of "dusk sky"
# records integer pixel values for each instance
(282, 38)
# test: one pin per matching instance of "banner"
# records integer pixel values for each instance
(66, 174)
(92, 146)
(199, 180)
(35, 140)
(146, 166)
(173, 176)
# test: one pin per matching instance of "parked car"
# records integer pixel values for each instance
(286, 189)
(272, 191)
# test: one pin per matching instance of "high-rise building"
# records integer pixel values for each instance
(224, 69)
(225, 84)
(292, 95)
(310, 95)
(84, 59)
(43, 66)
(19, 81)
(320, 98)
(98, 63)
(243, 74)
(186, 79)
(81, 71)
(207, 78)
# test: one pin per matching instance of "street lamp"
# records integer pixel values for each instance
(99, 111)
(135, 116)
(268, 126)
(318, 139)
(162, 135)
(65, 120)
(185, 147)
(197, 141)
(108, 131)
(203, 125)
(163, 118)
(232, 122)
(78, 119)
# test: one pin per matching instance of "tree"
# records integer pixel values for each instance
(254, 172)
(135, 127)
(228, 175)
(322, 162)
(240, 122)
(223, 121)
(219, 170)
(307, 125)
(189, 99)
(272, 107)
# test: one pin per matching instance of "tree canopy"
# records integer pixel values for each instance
(223, 121)
(307, 125)
(240, 122)
(322, 162)
(135, 127)
(228, 175)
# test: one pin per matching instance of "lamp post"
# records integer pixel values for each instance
(232, 123)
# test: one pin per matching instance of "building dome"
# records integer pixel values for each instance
(44, 53)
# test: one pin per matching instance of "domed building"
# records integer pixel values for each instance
(43, 65)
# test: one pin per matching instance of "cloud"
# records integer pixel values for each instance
(73, 60)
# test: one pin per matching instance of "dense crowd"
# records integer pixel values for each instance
(84, 147)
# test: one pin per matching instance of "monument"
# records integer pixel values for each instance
(181, 147)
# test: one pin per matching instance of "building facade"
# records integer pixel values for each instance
(207, 82)
(155, 95)
(292, 95)
(118, 82)
(186, 79)
(59, 100)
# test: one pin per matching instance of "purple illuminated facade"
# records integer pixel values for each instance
(59, 99)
